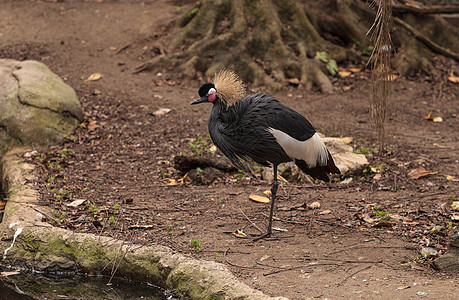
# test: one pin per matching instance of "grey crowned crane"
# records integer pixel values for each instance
(260, 128)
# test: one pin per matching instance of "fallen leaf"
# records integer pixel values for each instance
(344, 73)
(77, 202)
(347, 88)
(161, 111)
(264, 257)
(451, 178)
(314, 205)
(92, 125)
(289, 95)
(213, 148)
(437, 119)
(384, 223)
(429, 116)
(267, 193)
(172, 182)
(412, 223)
(455, 205)
(157, 96)
(418, 172)
(377, 176)
(325, 212)
(294, 81)
(354, 70)
(240, 234)
(455, 217)
(260, 199)
(453, 78)
(94, 77)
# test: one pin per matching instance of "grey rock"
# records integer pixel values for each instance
(36, 107)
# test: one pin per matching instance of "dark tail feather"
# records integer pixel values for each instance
(319, 172)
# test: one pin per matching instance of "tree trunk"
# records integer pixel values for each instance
(275, 42)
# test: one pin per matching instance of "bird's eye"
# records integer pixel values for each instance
(211, 91)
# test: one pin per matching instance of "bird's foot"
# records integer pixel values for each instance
(262, 236)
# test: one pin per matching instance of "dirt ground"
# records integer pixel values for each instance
(121, 162)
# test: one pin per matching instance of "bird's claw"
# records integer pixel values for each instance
(262, 236)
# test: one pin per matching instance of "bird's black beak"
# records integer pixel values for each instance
(200, 100)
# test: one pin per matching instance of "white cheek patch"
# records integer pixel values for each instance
(211, 91)
(312, 151)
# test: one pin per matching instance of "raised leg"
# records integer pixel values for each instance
(269, 232)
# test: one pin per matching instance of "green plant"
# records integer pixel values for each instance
(200, 144)
(196, 245)
(331, 64)
(116, 208)
(452, 197)
(92, 208)
(239, 176)
(258, 169)
(59, 216)
(380, 214)
(112, 221)
(366, 151)
(169, 229)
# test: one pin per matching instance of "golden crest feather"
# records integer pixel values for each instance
(229, 86)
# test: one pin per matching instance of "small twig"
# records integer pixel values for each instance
(123, 48)
(349, 276)
(235, 265)
(46, 215)
(253, 224)
(297, 267)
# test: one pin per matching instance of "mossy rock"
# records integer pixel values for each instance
(36, 107)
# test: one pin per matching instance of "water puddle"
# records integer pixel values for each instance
(38, 286)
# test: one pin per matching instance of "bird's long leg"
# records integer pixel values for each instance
(273, 198)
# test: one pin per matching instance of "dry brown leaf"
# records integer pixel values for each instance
(240, 234)
(455, 205)
(94, 77)
(172, 182)
(412, 223)
(347, 88)
(384, 223)
(267, 192)
(437, 119)
(314, 205)
(162, 111)
(260, 199)
(294, 81)
(92, 125)
(377, 176)
(455, 217)
(325, 212)
(418, 172)
(76, 203)
(451, 178)
(354, 70)
(344, 73)
(453, 78)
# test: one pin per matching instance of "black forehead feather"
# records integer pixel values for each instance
(205, 88)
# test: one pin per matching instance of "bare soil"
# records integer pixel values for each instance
(121, 162)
